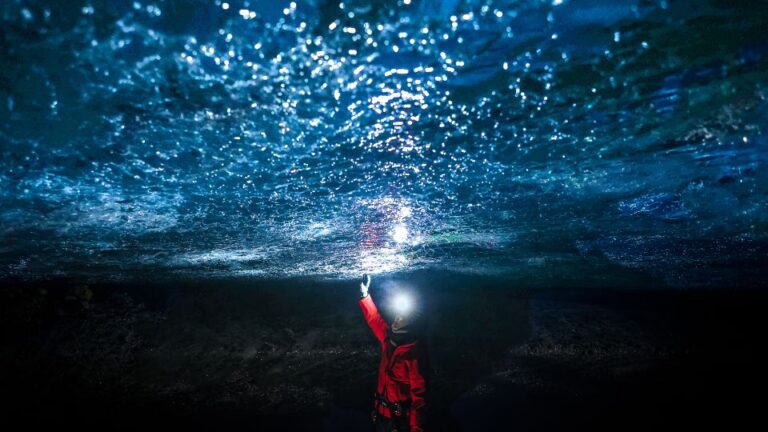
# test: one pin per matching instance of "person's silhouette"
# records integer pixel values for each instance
(399, 403)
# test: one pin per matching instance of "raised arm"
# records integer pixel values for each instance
(371, 313)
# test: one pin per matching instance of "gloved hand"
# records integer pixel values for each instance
(364, 286)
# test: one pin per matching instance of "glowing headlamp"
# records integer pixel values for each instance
(402, 304)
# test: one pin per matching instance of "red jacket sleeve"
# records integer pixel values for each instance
(372, 317)
(418, 393)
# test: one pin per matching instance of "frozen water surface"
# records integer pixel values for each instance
(210, 138)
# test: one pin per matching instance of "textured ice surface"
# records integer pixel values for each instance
(204, 137)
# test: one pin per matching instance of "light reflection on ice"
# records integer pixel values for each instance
(277, 139)
(221, 256)
(385, 260)
(400, 233)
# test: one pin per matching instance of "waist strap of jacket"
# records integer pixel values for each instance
(396, 408)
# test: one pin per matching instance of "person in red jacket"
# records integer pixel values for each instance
(399, 403)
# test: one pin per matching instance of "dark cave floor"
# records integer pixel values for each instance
(297, 355)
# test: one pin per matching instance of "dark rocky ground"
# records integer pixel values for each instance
(297, 355)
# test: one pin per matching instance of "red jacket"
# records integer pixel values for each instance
(400, 375)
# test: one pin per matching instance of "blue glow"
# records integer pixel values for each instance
(283, 139)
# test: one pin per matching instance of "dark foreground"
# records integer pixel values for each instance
(296, 355)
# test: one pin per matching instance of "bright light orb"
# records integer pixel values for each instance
(402, 304)
(405, 211)
(400, 234)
